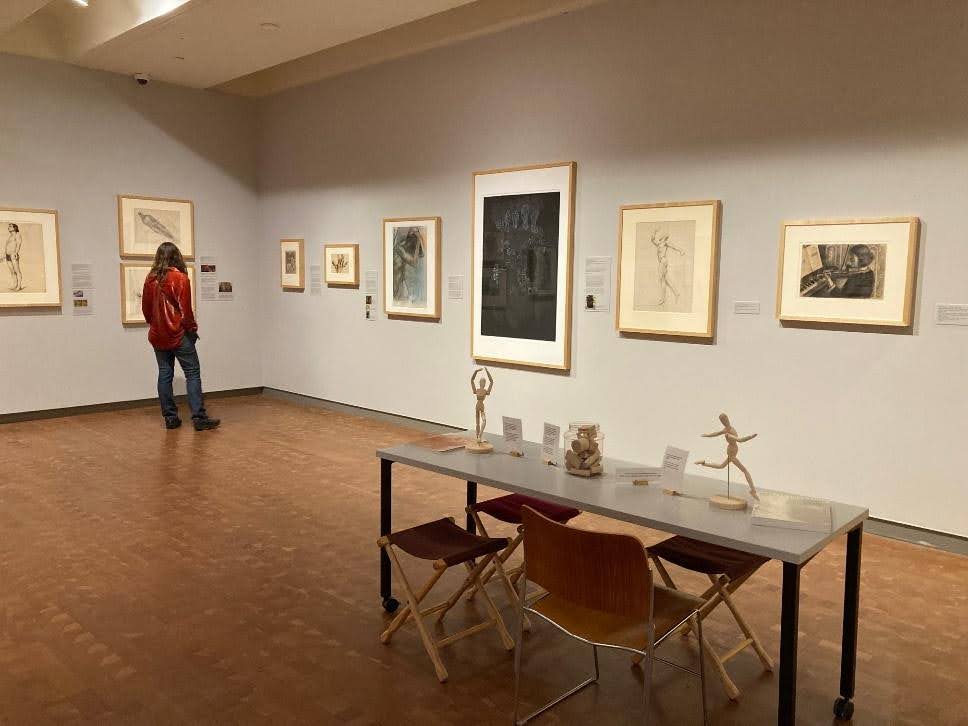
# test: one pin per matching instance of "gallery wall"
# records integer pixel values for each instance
(781, 110)
(71, 140)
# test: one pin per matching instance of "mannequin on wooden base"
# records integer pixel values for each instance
(481, 390)
(733, 440)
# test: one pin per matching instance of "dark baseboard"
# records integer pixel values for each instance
(7, 418)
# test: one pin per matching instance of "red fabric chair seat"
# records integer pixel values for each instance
(508, 509)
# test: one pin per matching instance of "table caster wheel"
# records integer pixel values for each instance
(844, 709)
(391, 605)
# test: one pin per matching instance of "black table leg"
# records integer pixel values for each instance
(386, 497)
(789, 624)
(471, 501)
(844, 706)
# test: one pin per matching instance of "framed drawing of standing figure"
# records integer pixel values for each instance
(411, 267)
(291, 267)
(667, 271)
(146, 222)
(523, 227)
(29, 259)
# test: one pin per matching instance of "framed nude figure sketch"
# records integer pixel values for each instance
(133, 276)
(29, 259)
(291, 265)
(411, 267)
(522, 265)
(146, 222)
(667, 271)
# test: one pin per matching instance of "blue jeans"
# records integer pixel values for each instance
(188, 359)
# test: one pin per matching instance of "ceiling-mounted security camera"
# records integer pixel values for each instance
(143, 79)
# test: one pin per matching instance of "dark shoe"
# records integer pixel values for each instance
(204, 424)
(172, 423)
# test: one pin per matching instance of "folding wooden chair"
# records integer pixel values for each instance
(446, 545)
(599, 590)
(727, 569)
(508, 509)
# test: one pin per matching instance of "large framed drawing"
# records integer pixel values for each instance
(668, 257)
(29, 259)
(411, 267)
(133, 276)
(522, 267)
(292, 275)
(146, 222)
(341, 263)
(848, 272)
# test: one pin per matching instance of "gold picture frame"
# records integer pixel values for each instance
(537, 242)
(394, 306)
(292, 268)
(39, 288)
(146, 222)
(848, 272)
(341, 264)
(133, 275)
(668, 269)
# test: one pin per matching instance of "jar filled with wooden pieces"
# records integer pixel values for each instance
(584, 447)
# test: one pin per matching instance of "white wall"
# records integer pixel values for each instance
(72, 139)
(782, 110)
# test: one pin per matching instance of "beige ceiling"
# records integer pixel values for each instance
(220, 43)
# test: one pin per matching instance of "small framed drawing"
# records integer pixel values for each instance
(411, 267)
(291, 267)
(342, 265)
(522, 265)
(146, 222)
(29, 259)
(668, 257)
(133, 276)
(848, 272)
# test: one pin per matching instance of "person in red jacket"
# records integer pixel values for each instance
(166, 302)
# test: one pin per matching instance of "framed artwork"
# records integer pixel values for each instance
(30, 274)
(292, 274)
(522, 268)
(668, 258)
(848, 272)
(133, 276)
(411, 267)
(341, 263)
(146, 222)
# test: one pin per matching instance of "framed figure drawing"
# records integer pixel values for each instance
(522, 265)
(145, 222)
(29, 259)
(411, 267)
(133, 276)
(848, 272)
(292, 274)
(668, 257)
(341, 263)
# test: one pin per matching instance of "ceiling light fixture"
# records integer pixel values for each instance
(269, 27)
(82, 3)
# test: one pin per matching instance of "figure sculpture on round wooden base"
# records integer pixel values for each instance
(733, 440)
(481, 390)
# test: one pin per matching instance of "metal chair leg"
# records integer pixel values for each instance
(518, 648)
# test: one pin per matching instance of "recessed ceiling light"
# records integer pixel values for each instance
(82, 3)
(269, 27)
(179, 57)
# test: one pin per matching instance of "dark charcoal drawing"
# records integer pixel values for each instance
(665, 253)
(519, 295)
(846, 270)
(154, 226)
(410, 266)
(290, 262)
(23, 257)
(339, 263)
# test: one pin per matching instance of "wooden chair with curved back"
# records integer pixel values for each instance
(598, 589)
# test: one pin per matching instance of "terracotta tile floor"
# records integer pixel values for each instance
(154, 577)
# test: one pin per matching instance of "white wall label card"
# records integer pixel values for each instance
(951, 314)
(746, 307)
(455, 287)
(207, 279)
(674, 466)
(370, 282)
(549, 443)
(315, 279)
(641, 473)
(82, 289)
(598, 284)
(369, 308)
(512, 435)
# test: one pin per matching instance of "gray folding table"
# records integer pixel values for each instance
(690, 515)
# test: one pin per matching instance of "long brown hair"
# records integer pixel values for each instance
(167, 257)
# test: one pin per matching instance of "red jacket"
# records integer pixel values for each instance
(168, 310)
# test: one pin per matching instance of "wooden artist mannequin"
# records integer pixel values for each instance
(733, 440)
(481, 390)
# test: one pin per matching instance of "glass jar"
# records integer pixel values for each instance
(584, 448)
